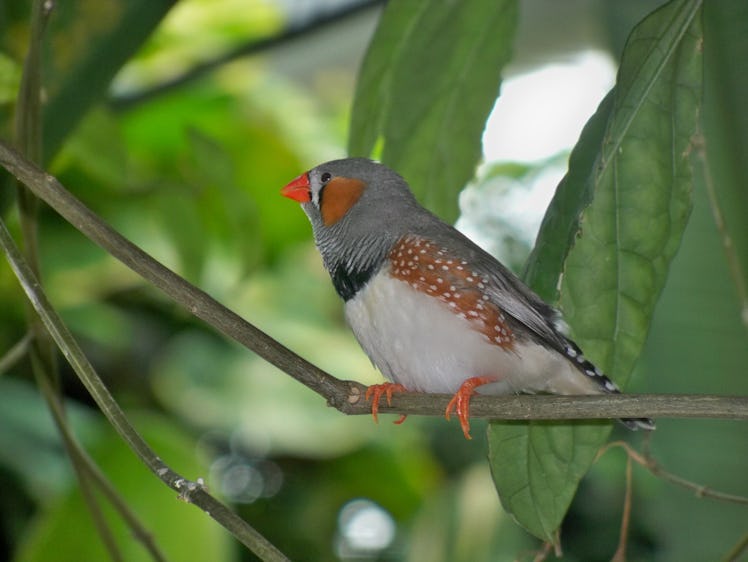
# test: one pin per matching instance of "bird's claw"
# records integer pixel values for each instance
(375, 392)
(460, 403)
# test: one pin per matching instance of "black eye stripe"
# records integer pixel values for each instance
(324, 178)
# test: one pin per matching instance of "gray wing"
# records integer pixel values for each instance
(507, 291)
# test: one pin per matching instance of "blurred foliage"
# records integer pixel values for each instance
(191, 173)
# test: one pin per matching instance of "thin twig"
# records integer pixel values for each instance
(736, 551)
(733, 261)
(620, 553)
(699, 490)
(76, 451)
(28, 131)
(28, 136)
(348, 396)
(189, 491)
(15, 353)
(85, 484)
(126, 101)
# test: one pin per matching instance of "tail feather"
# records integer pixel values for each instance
(634, 424)
(574, 354)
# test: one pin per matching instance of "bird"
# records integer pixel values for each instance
(434, 312)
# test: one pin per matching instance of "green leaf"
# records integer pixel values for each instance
(560, 224)
(426, 87)
(536, 468)
(88, 41)
(638, 199)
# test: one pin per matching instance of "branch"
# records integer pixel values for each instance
(15, 353)
(736, 551)
(347, 396)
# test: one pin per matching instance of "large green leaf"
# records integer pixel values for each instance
(427, 85)
(639, 193)
(560, 224)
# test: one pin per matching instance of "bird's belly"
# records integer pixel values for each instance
(418, 341)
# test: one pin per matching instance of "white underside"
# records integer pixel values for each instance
(418, 341)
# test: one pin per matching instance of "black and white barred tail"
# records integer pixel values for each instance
(585, 366)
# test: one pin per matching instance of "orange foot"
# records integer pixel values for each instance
(460, 402)
(374, 393)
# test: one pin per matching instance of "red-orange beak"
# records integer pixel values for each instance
(298, 189)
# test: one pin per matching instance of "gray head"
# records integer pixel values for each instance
(358, 209)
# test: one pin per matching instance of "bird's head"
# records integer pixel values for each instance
(358, 208)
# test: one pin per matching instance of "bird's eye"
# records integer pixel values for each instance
(324, 178)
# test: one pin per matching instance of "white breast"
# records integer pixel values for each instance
(417, 341)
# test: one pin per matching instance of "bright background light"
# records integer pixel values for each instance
(539, 114)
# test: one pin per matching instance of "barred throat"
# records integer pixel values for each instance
(352, 264)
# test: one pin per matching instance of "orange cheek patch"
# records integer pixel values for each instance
(338, 197)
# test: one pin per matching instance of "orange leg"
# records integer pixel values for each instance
(460, 402)
(374, 393)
